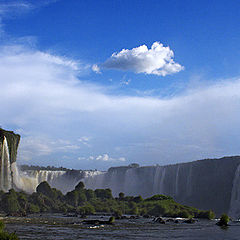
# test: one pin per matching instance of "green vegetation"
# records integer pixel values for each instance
(86, 201)
(25, 167)
(4, 235)
(12, 141)
(223, 220)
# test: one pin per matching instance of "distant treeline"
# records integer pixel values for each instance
(50, 168)
(25, 167)
(87, 201)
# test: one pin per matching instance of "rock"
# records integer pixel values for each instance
(190, 220)
(99, 222)
(159, 220)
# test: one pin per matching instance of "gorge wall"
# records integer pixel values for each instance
(12, 177)
(8, 155)
(28, 180)
(205, 184)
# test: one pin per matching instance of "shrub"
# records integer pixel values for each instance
(80, 186)
(104, 193)
(159, 197)
(157, 210)
(206, 214)
(46, 190)
(10, 202)
(86, 209)
(4, 235)
(138, 199)
(90, 194)
(33, 208)
(121, 196)
(223, 220)
(184, 214)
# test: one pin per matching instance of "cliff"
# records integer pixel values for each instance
(8, 155)
(12, 141)
(205, 184)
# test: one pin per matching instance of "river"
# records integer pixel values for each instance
(58, 227)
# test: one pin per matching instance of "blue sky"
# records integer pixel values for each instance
(94, 84)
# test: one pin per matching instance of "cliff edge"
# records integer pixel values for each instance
(12, 141)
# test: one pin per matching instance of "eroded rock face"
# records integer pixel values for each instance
(12, 142)
(8, 154)
(204, 184)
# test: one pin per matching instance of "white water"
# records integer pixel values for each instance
(177, 180)
(234, 210)
(5, 178)
(95, 181)
(162, 177)
(158, 182)
(30, 179)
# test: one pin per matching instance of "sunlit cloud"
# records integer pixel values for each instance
(158, 60)
(103, 158)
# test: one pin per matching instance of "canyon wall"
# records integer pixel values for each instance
(8, 155)
(205, 184)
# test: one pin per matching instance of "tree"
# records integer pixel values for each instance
(10, 202)
(89, 194)
(4, 235)
(80, 186)
(72, 198)
(45, 189)
(121, 195)
(223, 220)
(138, 199)
(104, 193)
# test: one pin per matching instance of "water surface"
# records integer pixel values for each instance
(70, 228)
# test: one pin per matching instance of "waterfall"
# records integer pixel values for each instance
(234, 210)
(94, 181)
(162, 178)
(22, 181)
(189, 181)
(129, 184)
(177, 180)
(159, 178)
(64, 181)
(6, 175)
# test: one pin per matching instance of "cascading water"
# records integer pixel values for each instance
(64, 181)
(206, 184)
(234, 210)
(6, 176)
(177, 180)
(159, 176)
(94, 181)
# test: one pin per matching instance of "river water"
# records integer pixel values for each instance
(58, 227)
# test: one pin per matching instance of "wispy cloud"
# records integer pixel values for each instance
(40, 146)
(158, 60)
(14, 8)
(103, 158)
(43, 96)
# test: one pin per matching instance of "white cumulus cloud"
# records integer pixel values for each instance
(157, 60)
(96, 68)
(106, 158)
